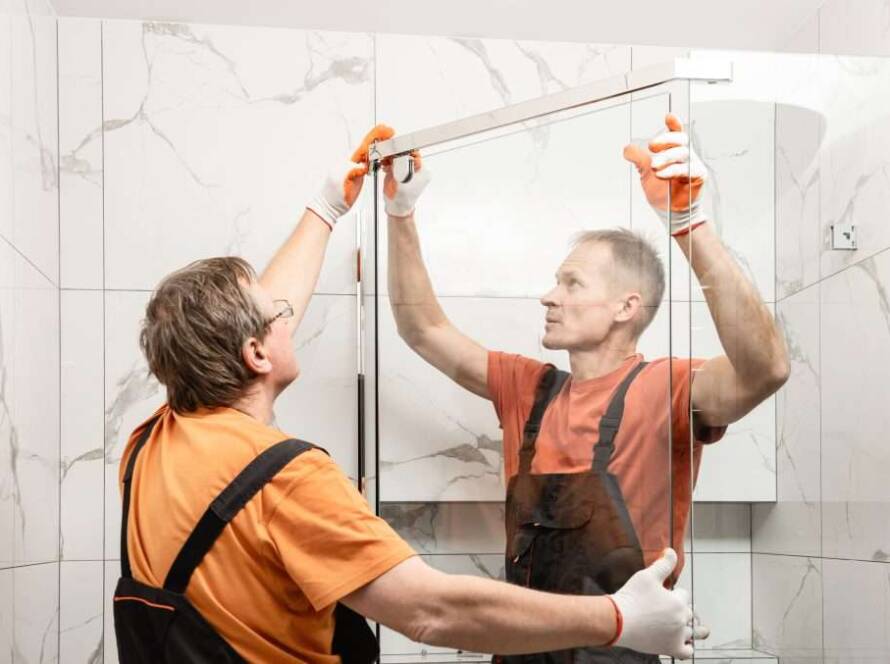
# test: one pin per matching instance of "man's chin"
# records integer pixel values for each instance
(551, 344)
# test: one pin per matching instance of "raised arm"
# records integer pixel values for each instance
(292, 274)
(419, 317)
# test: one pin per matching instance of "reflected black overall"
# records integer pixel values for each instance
(159, 625)
(571, 533)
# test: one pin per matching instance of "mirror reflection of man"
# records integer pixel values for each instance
(589, 468)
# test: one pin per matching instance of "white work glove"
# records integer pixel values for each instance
(343, 183)
(672, 176)
(653, 619)
(402, 186)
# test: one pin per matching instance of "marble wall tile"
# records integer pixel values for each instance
(82, 466)
(793, 524)
(798, 236)
(855, 352)
(856, 606)
(425, 81)
(6, 159)
(81, 607)
(80, 147)
(449, 528)
(35, 414)
(33, 227)
(855, 28)
(719, 528)
(854, 187)
(36, 626)
(7, 613)
(318, 407)
(787, 596)
(217, 137)
(9, 435)
(721, 596)
(112, 570)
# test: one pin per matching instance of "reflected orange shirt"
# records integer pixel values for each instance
(658, 398)
(270, 583)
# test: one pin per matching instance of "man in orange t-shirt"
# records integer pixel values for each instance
(289, 573)
(600, 463)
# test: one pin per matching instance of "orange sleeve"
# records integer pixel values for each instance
(328, 540)
(683, 374)
(511, 378)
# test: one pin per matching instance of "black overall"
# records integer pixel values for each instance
(160, 625)
(571, 532)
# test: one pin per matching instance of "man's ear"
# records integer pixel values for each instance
(255, 357)
(630, 305)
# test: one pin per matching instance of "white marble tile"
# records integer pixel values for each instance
(719, 528)
(855, 354)
(80, 147)
(34, 227)
(721, 595)
(82, 467)
(501, 210)
(856, 605)
(109, 646)
(487, 566)
(36, 625)
(6, 159)
(787, 597)
(798, 228)
(855, 28)
(32, 412)
(804, 38)
(7, 612)
(9, 440)
(81, 606)
(449, 528)
(425, 81)
(131, 396)
(216, 138)
(854, 188)
(321, 406)
(793, 524)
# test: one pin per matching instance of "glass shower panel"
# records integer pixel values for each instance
(501, 214)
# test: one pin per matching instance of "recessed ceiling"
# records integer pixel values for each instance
(725, 24)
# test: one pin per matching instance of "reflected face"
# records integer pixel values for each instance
(277, 344)
(581, 308)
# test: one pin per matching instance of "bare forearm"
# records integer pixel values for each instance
(292, 274)
(748, 333)
(411, 294)
(489, 616)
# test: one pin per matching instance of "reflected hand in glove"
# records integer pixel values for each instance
(344, 182)
(652, 619)
(672, 175)
(402, 189)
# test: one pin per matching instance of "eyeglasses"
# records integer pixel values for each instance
(287, 311)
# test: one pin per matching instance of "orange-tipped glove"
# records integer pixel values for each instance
(672, 176)
(402, 189)
(344, 183)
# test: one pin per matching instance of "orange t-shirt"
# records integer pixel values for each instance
(641, 461)
(270, 583)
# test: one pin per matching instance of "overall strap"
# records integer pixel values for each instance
(611, 420)
(549, 385)
(226, 505)
(126, 572)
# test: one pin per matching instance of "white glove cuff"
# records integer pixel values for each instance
(681, 221)
(320, 206)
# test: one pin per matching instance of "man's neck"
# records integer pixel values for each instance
(587, 364)
(258, 404)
